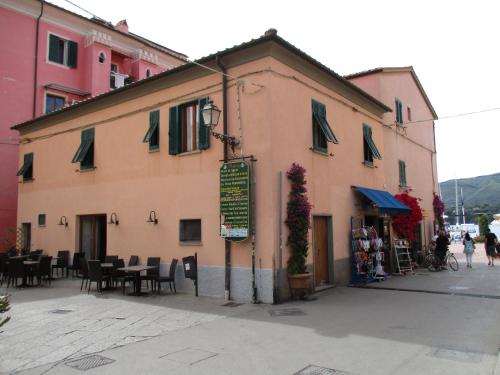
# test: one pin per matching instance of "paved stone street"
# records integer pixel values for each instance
(450, 330)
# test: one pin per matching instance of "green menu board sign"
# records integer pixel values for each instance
(235, 201)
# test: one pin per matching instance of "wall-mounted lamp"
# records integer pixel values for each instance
(63, 221)
(211, 114)
(113, 219)
(152, 218)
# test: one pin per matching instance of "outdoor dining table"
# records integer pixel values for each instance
(29, 264)
(136, 270)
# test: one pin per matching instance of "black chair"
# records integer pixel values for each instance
(152, 274)
(85, 273)
(121, 276)
(4, 259)
(44, 269)
(110, 258)
(96, 275)
(15, 271)
(76, 265)
(170, 279)
(62, 262)
(133, 261)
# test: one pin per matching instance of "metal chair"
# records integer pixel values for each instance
(15, 271)
(62, 262)
(153, 273)
(110, 258)
(133, 261)
(44, 269)
(76, 265)
(170, 279)
(96, 275)
(85, 273)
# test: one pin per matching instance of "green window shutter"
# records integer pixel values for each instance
(174, 131)
(85, 146)
(319, 115)
(203, 131)
(367, 133)
(72, 54)
(53, 48)
(26, 169)
(41, 220)
(152, 135)
(402, 173)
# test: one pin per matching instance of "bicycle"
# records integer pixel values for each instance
(434, 263)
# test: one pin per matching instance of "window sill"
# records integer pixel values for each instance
(86, 169)
(189, 153)
(28, 181)
(319, 152)
(57, 64)
(153, 150)
(190, 243)
(369, 164)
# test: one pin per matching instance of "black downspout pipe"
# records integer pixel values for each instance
(227, 244)
(35, 80)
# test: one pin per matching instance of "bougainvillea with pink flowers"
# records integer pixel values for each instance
(298, 211)
(405, 225)
(438, 205)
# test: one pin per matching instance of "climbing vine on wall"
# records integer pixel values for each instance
(405, 225)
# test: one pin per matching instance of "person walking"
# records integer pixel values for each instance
(442, 243)
(490, 240)
(468, 249)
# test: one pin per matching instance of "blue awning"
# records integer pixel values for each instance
(384, 201)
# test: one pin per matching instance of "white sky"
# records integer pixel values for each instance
(453, 46)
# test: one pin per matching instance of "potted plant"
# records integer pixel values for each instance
(298, 222)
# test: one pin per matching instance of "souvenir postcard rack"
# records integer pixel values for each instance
(367, 256)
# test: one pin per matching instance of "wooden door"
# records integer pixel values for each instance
(320, 248)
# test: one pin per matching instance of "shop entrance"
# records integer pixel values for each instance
(93, 236)
(323, 254)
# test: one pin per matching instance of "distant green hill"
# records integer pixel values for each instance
(481, 194)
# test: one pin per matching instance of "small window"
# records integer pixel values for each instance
(402, 173)
(370, 150)
(399, 112)
(85, 152)
(102, 57)
(41, 220)
(26, 170)
(153, 134)
(322, 133)
(186, 129)
(62, 51)
(148, 73)
(190, 230)
(53, 103)
(408, 113)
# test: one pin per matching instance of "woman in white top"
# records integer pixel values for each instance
(468, 249)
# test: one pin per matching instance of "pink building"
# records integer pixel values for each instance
(136, 172)
(51, 58)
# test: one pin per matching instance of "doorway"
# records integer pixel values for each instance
(322, 247)
(93, 236)
(26, 237)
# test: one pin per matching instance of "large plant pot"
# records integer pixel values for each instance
(299, 284)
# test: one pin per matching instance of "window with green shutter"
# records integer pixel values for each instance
(26, 170)
(399, 112)
(402, 173)
(41, 220)
(370, 150)
(62, 51)
(322, 133)
(85, 152)
(186, 130)
(153, 134)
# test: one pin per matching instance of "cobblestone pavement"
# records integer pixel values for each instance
(73, 324)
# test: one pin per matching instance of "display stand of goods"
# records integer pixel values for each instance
(367, 256)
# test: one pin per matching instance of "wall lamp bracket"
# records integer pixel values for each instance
(113, 219)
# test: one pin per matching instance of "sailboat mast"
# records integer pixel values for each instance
(457, 215)
(463, 206)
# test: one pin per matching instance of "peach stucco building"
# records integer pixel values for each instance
(272, 90)
(50, 58)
